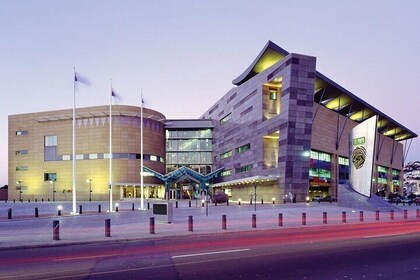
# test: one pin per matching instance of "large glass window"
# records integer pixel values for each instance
(226, 155)
(50, 141)
(244, 168)
(226, 172)
(343, 161)
(226, 118)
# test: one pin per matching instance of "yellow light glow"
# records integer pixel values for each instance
(361, 114)
(402, 137)
(341, 101)
(392, 131)
(269, 58)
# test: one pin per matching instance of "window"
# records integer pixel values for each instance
(245, 168)
(21, 168)
(320, 156)
(226, 155)
(66, 157)
(382, 169)
(50, 177)
(273, 94)
(343, 161)
(50, 141)
(153, 158)
(21, 152)
(226, 118)
(243, 148)
(21, 132)
(226, 172)
(93, 156)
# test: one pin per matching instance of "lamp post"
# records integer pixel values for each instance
(20, 189)
(90, 188)
(53, 188)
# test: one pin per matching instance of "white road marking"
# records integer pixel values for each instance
(385, 235)
(210, 253)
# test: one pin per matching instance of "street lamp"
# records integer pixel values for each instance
(20, 189)
(90, 188)
(53, 188)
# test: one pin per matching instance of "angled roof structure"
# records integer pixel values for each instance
(329, 94)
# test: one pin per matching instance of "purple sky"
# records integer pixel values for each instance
(185, 54)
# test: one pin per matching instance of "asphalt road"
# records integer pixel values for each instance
(384, 250)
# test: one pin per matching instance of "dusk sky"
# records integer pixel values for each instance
(185, 54)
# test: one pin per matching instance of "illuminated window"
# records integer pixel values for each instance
(21, 152)
(66, 157)
(226, 155)
(226, 172)
(50, 141)
(244, 168)
(226, 118)
(273, 94)
(243, 148)
(21, 132)
(21, 168)
(153, 158)
(343, 161)
(382, 169)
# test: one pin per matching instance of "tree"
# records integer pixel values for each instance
(5, 187)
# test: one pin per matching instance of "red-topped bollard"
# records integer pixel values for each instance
(361, 216)
(344, 217)
(152, 225)
(56, 230)
(280, 219)
(324, 217)
(303, 219)
(107, 227)
(190, 223)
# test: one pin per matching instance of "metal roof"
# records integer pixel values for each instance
(330, 94)
(189, 123)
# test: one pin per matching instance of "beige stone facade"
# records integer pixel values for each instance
(30, 163)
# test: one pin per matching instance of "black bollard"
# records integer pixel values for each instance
(148, 205)
(42, 200)
(99, 208)
(361, 216)
(304, 219)
(405, 214)
(107, 227)
(324, 217)
(262, 201)
(36, 200)
(14, 200)
(36, 212)
(80, 210)
(9, 213)
(189, 203)
(391, 214)
(250, 201)
(377, 215)
(29, 200)
(215, 203)
(48, 200)
(227, 202)
(190, 223)
(254, 220)
(116, 208)
(176, 203)
(239, 202)
(344, 217)
(224, 222)
(152, 225)
(280, 219)
(59, 212)
(132, 207)
(56, 230)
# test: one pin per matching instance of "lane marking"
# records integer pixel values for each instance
(210, 253)
(87, 257)
(385, 235)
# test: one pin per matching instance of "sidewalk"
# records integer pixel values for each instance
(24, 230)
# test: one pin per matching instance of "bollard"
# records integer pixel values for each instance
(148, 205)
(361, 216)
(80, 210)
(254, 220)
(239, 202)
(132, 207)
(262, 201)
(418, 213)
(116, 208)
(224, 222)
(36, 212)
(391, 214)
(190, 223)
(9, 213)
(215, 203)
(303, 219)
(107, 227)
(99, 208)
(152, 225)
(56, 230)
(344, 217)
(29, 200)
(42, 200)
(48, 200)
(377, 215)
(280, 219)
(250, 201)
(324, 218)
(14, 200)
(59, 212)
(405, 214)
(227, 202)
(36, 200)
(189, 203)
(176, 204)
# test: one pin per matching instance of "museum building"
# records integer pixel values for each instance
(282, 131)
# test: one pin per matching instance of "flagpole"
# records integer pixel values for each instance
(141, 152)
(74, 142)
(110, 147)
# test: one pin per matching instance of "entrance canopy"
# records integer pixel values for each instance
(183, 172)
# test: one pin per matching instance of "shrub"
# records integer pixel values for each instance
(219, 197)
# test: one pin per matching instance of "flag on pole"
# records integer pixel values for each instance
(81, 79)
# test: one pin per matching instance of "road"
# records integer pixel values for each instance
(383, 250)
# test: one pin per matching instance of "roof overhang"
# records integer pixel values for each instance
(330, 94)
(247, 181)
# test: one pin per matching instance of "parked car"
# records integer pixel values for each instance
(317, 198)
(330, 199)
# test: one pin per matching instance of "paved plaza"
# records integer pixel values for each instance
(25, 230)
